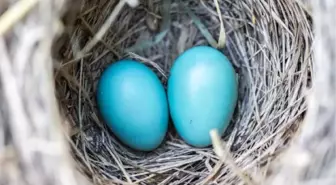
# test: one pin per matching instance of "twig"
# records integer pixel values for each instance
(166, 20)
(205, 32)
(214, 172)
(15, 13)
(222, 34)
(103, 29)
(225, 156)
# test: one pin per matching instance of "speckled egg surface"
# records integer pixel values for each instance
(202, 94)
(133, 103)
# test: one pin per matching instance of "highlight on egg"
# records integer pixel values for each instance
(202, 94)
(133, 103)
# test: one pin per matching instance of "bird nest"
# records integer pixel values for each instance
(269, 45)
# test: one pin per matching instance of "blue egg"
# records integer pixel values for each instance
(202, 94)
(133, 103)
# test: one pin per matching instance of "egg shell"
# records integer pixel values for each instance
(133, 103)
(202, 94)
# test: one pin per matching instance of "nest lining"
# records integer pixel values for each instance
(269, 44)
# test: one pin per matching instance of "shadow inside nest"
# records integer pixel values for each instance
(264, 52)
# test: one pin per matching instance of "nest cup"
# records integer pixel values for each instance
(268, 43)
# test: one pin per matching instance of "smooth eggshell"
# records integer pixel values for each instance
(134, 105)
(202, 94)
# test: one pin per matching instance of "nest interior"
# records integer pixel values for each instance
(269, 44)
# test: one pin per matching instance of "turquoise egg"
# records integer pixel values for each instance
(202, 94)
(133, 103)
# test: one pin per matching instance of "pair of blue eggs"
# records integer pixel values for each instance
(201, 95)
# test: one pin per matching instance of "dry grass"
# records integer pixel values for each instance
(269, 44)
